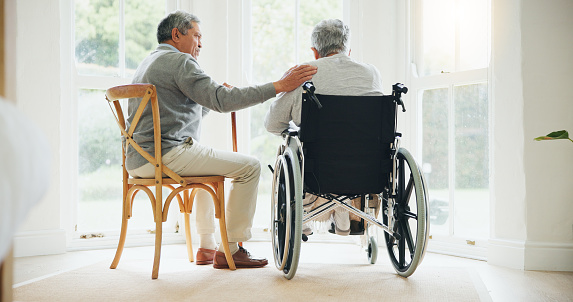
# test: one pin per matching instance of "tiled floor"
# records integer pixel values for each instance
(492, 282)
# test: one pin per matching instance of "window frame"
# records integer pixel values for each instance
(451, 243)
(72, 82)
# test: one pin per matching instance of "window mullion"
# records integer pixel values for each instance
(99, 82)
(444, 79)
(296, 30)
(452, 156)
(122, 38)
(457, 65)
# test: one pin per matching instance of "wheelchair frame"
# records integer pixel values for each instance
(397, 214)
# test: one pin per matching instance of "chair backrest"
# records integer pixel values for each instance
(347, 143)
(148, 95)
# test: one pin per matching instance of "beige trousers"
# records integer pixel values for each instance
(193, 159)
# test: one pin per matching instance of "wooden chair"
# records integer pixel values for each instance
(183, 188)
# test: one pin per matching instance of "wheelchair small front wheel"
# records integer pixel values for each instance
(407, 249)
(287, 213)
(372, 250)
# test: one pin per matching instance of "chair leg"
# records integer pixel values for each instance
(188, 237)
(121, 243)
(158, 234)
(223, 226)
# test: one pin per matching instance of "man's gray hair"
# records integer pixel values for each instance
(181, 20)
(330, 37)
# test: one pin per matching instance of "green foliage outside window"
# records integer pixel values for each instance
(274, 51)
(97, 33)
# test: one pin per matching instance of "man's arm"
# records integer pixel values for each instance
(294, 77)
(200, 88)
(282, 111)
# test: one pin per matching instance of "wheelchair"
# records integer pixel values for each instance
(348, 148)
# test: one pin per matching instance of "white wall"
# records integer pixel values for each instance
(532, 221)
(34, 83)
(508, 221)
(548, 106)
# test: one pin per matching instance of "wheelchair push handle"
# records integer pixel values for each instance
(309, 89)
(399, 87)
(397, 90)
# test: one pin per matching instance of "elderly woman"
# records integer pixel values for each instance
(337, 74)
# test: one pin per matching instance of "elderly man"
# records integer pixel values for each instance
(185, 95)
(337, 74)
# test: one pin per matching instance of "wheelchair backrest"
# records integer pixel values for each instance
(347, 143)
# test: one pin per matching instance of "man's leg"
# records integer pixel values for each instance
(245, 171)
(197, 160)
(205, 219)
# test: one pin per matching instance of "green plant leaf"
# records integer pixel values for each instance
(563, 134)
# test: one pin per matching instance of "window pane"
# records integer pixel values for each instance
(473, 34)
(273, 38)
(100, 173)
(141, 19)
(454, 36)
(97, 37)
(312, 12)
(99, 164)
(438, 37)
(435, 156)
(472, 161)
(274, 51)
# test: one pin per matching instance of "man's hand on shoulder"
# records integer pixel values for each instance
(294, 77)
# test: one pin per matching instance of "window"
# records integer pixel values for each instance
(110, 38)
(450, 60)
(453, 36)
(280, 39)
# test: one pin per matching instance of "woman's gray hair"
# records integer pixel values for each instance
(330, 37)
(181, 20)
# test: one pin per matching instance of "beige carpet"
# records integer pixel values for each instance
(180, 280)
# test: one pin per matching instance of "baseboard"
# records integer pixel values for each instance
(132, 240)
(457, 249)
(531, 255)
(37, 243)
(506, 253)
(548, 256)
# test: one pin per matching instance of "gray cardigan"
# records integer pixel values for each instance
(185, 94)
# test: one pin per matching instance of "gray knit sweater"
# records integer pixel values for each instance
(185, 94)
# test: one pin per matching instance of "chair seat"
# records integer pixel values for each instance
(169, 181)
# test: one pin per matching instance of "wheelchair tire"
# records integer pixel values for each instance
(287, 212)
(411, 212)
(372, 250)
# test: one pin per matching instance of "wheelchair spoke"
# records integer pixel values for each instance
(401, 249)
(407, 235)
(410, 215)
(408, 190)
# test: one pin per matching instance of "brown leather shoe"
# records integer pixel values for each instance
(242, 259)
(204, 256)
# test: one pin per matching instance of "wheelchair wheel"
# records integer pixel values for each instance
(372, 250)
(287, 213)
(410, 214)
